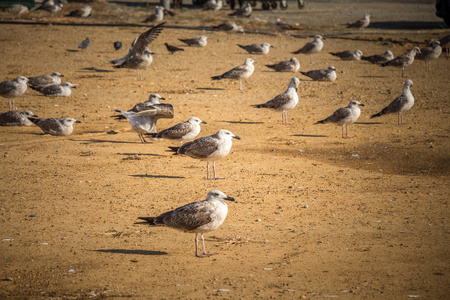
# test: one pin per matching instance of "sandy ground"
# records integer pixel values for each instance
(317, 216)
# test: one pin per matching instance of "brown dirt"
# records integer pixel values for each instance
(317, 215)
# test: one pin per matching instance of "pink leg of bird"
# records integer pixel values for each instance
(205, 254)
(214, 171)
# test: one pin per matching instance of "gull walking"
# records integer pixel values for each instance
(243, 12)
(379, 58)
(344, 116)
(322, 75)
(182, 131)
(196, 217)
(56, 90)
(16, 118)
(404, 60)
(429, 53)
(348, 55)
(82, 12)
(402, 103)
(360, 24)
(285, 101)
(196, 42)
(44, 80)
(54, 126)
(13, 88)
(292, 65)
(156, 16)
(209, 148)
(312, 47)
(257, 48)
(240, 72)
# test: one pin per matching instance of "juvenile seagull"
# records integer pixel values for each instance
(54, 126)
(196, 217)
(139, 57)
(182, 131)
(292, 65)
(312, 47)
(82, 12)
(243, 12)
(283, 25)
(429, 53)
(84, 44)
(403, 60)
(16, 118)
(18, 9)
(213, 5)
(13, 88)
(285, 101)
(156, 16)
(166, 110)
(402, 103)
(172, 49)
(344, 116)
(379, 58)
(360, 24)
(56, 90)
(322, 75)
(195, 42)
(209, 148)
(240, 72)
(348, 55)
(257, 48)
(229, 26)
(44, 80)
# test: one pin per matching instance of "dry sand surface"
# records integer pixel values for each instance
(317, 216)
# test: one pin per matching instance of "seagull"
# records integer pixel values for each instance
(229, 26)
(360, 24)
(156, 16)
(172, 49)
(344, 116)
(402, 103)
(166, 110)
(16, 118)
(117, 45)
(257, 48)
(84, 44)
(140, 122)
(379, 58)
(196, 217)
(18, 9)
(283, 25)
(82, 12)
(445, 43)
(292, 65)
(285, 101)
(44, 80)
(403, 60)
(240, 72)
(209, 148)
(243, 12)
(195, 42)
(429, 53)
(51, 6)
(322, 75)
(182, 131)
(139, 57)
(348, 55)
(56, 90)
(213, 5)
(13, 88)
(312, 47)
(55, 126)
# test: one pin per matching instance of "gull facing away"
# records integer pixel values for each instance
(243, 12)
(257, 48)
(322, 75)
(229, 26)
(312, 47)
(54, 126)
(429, 53)
(13, 88)
(56, 90)
(344, 116)
(172, 49)
(182, 131)
(18, 9)
(156, 16)
(139, 57)
(16, 118)
(402, 103)
(404, 60)
(196, 217)
(292, 65)
(82, 12)
(213, 5)
(209, 148)
(379, 58)
(44, 80)
(285, 101)
(195, 42)
(348, 55)
(240, 72)
(360, 24)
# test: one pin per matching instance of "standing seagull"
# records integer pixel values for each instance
(429, 53)
(54, 126)
(360, 24)
(213, 5)
(403, 60)
(312, 47)
(84, 44)
(379, 58)
(182, 131)
(348, 55)
(292, 65)
(209, 148)
(240, 72)
(344, 116)
(196, 217)
(139, 57)
(285, 101)
(82, 12)
(243, 12)
(322, 75)
(196, 42)
(13, 88)
(16, 118)
(156, 16)
(44, 80)
(402, 103)
(257, 48)
(172, 49)
(56, 90)
(166, 110)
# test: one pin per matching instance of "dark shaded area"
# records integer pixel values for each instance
(158, 176)
(211, 89)
(72, 50)
(408, 25)
(241, 122)
(138, 154)
(106, 141)
(308, 135)
(368, 123)
(97, 70)
(128, 251)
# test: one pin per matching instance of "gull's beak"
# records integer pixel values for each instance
(77, 121)
(162, 98)
(61, 75)
(204, 122)
(230, 199)
(236, 137)
(361, 104)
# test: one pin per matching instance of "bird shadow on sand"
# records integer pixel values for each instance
(158, 176)
(308, 135)
(128, 251)
(210, 89)
(72, 50)
(97, 70)
(368, 123)
(106, 141)
(241, 122)
(138, 154)
(368, 76)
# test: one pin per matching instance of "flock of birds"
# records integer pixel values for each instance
(209, 214)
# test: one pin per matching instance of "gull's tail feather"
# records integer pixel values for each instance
(376, 115)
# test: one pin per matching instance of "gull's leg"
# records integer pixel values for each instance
(10, 104)
(240, 85)
(214, 171)
(207, 170)
(285, 118)
(13, 105)
(204, 250)
(312, 60)
(343, 131)
(403, 71)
